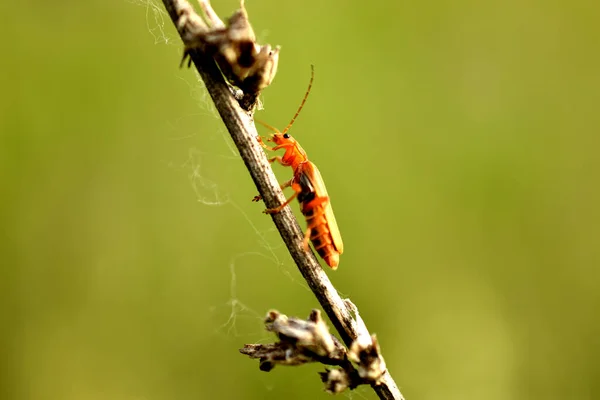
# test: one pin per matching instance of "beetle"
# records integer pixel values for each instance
(310, 190)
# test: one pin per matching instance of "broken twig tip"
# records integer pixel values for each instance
(249, 66)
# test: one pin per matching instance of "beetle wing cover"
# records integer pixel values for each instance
(311, 171)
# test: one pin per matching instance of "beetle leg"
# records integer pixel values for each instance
(278, 159)
(274, 148)
(314, 221)
(263, 144)
(307, 238)
(317, 212)
(282, 186)
(316, 202)
(323, 243)
(282, 146)
(320, 234)
(287, 184)
(297, 190)
(278, 209)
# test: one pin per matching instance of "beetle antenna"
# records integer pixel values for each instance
(267, 125)
(312, 77)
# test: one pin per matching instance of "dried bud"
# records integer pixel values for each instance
(300, 342)
(312, 335)
(246, 64)
(304, 341)
(335, 380)
(366, 354)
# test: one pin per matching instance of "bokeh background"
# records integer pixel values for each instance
(459, 143)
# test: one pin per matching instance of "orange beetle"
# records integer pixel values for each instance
(310, 189)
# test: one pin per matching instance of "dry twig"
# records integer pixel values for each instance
(342, 313)
(305, 341)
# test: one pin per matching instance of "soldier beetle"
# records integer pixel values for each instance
(310, 190)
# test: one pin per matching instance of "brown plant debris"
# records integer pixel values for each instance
(305, 341)
(365, 353)
(244, 63)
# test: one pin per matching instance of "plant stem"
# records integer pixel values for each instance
(243, 132)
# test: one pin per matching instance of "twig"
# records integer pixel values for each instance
(308, 341)
(244, 135)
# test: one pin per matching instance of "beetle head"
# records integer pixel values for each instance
(281, 138)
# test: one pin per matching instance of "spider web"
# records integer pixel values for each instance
(266, 240)
(211, 191)
(156, 17)
(237, 318)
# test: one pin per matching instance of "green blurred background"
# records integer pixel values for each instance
(459, 143)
